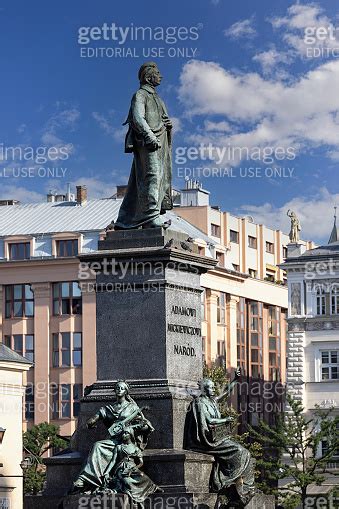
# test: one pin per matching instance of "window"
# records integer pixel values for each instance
(77, 349)
(18, 345)
(252, 242)
(62, 345)
(270, 276)
(241, 334)
(67, 247)
(325, 450)
(221, 352)
(220, 257)
(55, 401)
(77, 395)
(66, 401)
(21, 344)
(29, 347)
(29, 402)
(19, 301)
(274, 342)
(234, 236)
(335, 300)
(215, 230)
(252, 273)
(236, 267)
(201, 250)
(255, 338)
(66, 299)
(270, 247)
(19, 251)
(284, 252)
(321, 301)
(329, 364)
(221, 308)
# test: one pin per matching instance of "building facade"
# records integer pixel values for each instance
(12, 370)
(49, 317)
(313, 324)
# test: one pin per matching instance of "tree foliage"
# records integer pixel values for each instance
(37, 441)
(297, 459)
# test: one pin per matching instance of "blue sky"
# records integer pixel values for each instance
(245, 80)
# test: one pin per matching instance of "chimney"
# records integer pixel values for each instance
(121, 191)
(81, 195)
(50, 197)
(68, 193)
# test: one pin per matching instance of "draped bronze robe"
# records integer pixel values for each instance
(102, 452)
(149, 191)
(233, 463)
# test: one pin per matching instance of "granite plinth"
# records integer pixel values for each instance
(189, 500)
(175, 471)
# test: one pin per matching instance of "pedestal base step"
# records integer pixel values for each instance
(156, 501)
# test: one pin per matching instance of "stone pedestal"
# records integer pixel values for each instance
(148, 327)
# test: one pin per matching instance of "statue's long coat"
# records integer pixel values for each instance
(149, 191)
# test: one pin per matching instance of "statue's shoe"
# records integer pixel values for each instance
(157, 223)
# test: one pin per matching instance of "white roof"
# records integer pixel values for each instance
(57, 217)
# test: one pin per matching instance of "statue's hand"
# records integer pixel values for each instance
(154, 145)
(168, 124)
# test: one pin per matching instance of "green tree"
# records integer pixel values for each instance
(37, 441)
(293, 452)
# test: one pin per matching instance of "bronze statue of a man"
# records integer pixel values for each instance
(149, 191)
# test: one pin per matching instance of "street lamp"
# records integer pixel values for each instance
(26, 463)
(2, 434)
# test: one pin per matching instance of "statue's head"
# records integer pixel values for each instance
(149, 74)
(121, 388)
(207, 387)
(127, 434)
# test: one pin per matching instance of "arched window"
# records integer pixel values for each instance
(335, 300)
(321, 301)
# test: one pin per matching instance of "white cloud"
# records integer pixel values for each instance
(268, 112)
(217, 126)
(270, 59)
(14, 192)
(117, 133)
(241, 29)
(315, 214)
(301, 20)
(96, 187)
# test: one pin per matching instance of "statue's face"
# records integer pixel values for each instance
(156, 77)
(120, 389)
(126, 436)
(209, 388)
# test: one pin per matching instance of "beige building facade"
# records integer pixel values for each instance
(48, 317)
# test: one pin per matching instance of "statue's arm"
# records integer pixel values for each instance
(222, 420)
(138, 110)
(229, 389)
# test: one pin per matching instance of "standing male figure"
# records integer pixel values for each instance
(149, 190)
